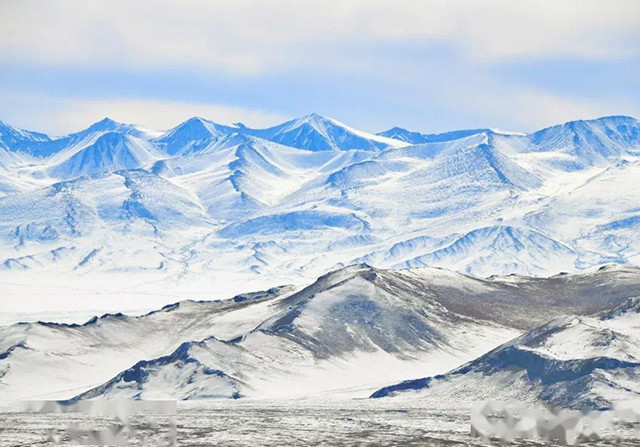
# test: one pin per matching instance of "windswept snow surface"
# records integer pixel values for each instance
(134, 219)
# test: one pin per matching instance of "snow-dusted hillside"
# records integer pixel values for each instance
(586, 362)
(239, 175)
(348, 333)
(122, 219)
(42, 359)
(235, 206)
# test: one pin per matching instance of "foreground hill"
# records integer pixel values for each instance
(586, 363)
(348, 333)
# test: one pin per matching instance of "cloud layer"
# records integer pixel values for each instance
(438, 52)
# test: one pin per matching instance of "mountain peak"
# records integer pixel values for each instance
(197, 120)
(105, 123)
(315, 120)
(316, 132)
(106, 120)
(194, 134)
(112, 151)
(314, 115)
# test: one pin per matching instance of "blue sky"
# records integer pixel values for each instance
(426, 65)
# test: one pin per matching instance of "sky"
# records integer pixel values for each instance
(427, 65)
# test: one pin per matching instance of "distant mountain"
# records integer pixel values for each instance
(589, 142)
(318, 133)
(73, 222)
(398, 133)
(586, 363)
(18, 140)
(112, 151)
(71, 142)
(312, 194)
(499, 249)
(237, 175)
(193, 136)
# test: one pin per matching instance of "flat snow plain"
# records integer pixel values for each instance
(292, 423)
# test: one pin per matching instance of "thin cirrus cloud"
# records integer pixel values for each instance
(427, 64)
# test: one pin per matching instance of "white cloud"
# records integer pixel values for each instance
(64, 115)
(525, 109)
(337, 41)
(253, 36)
(544, 109)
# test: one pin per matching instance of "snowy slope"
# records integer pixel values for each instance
(180, 374)
(17, 148)
(19, 140)
(112, 151)
(287, 204)
(592, 141)
(437, 187)
(431, 180)
(238, 175)
(501, 249)
(71, 358)
(125, 218)
(601, 215)
(587, 362)
(193, 135)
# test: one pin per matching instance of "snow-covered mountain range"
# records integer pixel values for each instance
(205, 205)
(350, 332)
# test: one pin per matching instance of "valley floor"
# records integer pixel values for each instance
(292, 423)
